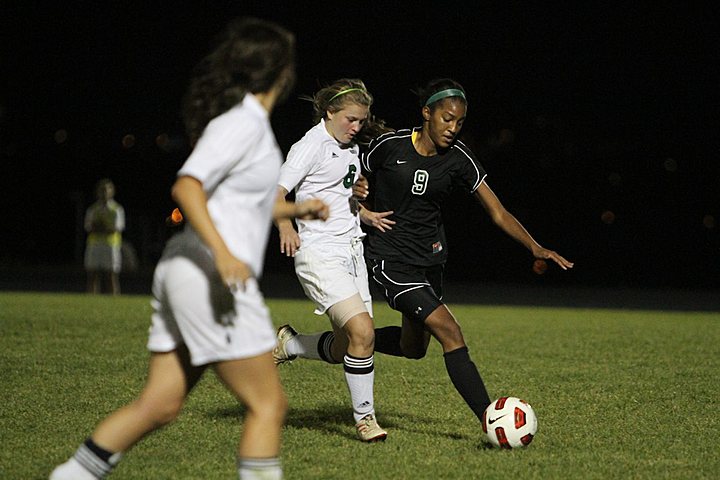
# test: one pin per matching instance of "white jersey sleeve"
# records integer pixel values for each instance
(298, 165)
(219, 150)
(119, 216)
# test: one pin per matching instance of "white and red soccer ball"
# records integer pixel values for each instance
(509, 423)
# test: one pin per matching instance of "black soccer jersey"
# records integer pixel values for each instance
(414, 187)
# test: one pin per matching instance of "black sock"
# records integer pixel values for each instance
(467, 380)
(324, 347)
(387, 341)
(103, 454)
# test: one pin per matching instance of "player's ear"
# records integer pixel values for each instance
(329, 115)
(426, 113)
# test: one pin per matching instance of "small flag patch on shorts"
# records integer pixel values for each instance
(437, 247)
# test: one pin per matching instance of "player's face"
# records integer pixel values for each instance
(344, 124)
(106, 192)
(445, 121)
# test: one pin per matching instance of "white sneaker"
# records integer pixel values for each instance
(284, 335)
(368, 430)
(71, 470)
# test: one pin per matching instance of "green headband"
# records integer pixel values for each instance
(450, 92)
(343, 92)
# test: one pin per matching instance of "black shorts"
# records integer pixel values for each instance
(415, 291)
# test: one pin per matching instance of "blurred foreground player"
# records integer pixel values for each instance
(208, 310)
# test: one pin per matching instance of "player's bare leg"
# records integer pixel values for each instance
(356, 337)
(256, 383)
(93, 282)
(330, 346)
(170, 379)
(114, 283)
(443, 326)
(340, 343)
(350, 343)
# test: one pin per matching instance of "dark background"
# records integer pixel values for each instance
(597, 123)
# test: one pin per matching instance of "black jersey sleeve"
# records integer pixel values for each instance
(470, 172)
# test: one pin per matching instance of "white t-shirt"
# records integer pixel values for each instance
(318, 166)
(237, 159)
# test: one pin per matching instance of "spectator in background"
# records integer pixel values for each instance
(104, 223)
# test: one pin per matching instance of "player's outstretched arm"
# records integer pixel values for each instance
(312, 209)
(510, 225)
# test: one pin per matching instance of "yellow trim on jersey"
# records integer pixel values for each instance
(111, 239)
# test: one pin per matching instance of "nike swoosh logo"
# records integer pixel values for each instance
(493, 420)
(400, 162)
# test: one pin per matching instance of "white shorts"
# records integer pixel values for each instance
(193, 307)
(103, 257)
(330, 273)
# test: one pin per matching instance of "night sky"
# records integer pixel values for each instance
(598, 125)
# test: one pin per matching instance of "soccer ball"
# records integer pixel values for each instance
(509, 423)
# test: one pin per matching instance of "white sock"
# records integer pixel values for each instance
(304, 346)
(72, 470)
(259, 469)
(360, 377)
(90, 462)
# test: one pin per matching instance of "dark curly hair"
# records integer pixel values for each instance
(251, 56)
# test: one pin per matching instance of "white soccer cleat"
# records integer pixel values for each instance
(279, 353)
(368, 430)
(71, 470)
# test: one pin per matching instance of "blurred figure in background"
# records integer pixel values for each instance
(104, 224)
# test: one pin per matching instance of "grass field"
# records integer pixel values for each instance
(618, 394)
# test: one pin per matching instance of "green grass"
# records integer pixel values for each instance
(618, 394)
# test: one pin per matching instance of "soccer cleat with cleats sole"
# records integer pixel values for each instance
(279, 353)
(368, 430)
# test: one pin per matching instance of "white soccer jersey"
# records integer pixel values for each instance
(318, 166)
(237, 159)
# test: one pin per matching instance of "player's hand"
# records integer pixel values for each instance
(312, 209)
(233, 272)
(102, 225)
(361, 188)
(289, 238)
(377, 220)
(545, 254)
